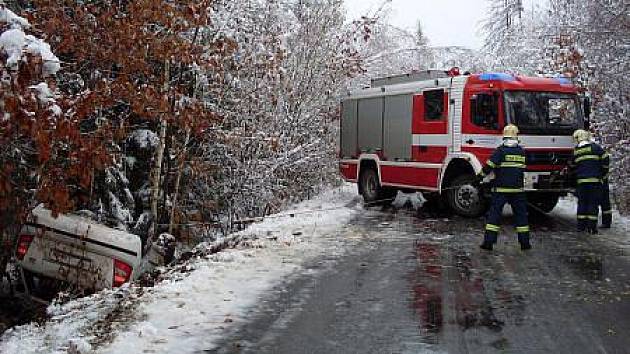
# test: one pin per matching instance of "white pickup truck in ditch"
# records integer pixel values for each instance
(82, 253)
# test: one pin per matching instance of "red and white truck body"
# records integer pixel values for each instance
(425, 130)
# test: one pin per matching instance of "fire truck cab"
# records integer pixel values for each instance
(432, 131)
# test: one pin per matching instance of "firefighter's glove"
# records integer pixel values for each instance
(478, 180)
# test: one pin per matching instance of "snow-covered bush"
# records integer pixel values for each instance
(286, 65)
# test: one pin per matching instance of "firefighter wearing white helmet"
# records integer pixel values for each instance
(591, 164)
(510, 132)
(508, 162)
(581, 135)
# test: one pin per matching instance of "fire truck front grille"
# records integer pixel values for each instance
(553, 181)
(548, 157)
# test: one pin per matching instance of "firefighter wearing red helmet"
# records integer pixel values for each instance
(508, 162)
(591, 164)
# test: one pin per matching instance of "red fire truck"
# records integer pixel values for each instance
(432, 131)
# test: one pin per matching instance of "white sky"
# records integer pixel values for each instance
(445, 22)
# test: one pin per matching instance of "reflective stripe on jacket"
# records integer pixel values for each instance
(508, 162)
(591, 163)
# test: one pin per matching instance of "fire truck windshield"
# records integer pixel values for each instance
(543, 113)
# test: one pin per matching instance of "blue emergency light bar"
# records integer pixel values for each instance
(496, 77)
(563, 81)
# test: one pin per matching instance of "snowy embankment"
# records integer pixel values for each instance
(190, 311)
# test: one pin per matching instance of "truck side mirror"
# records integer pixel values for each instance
(587, 113)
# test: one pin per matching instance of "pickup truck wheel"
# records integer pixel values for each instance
(464, 198)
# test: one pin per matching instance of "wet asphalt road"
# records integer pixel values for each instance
(416, 283)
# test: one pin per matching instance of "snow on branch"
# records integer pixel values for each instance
(16, 44)
(14, 21)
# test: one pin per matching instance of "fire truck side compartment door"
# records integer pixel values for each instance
(370, 120)
(349, 129)
(397, 127)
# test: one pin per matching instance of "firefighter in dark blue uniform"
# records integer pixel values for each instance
(508, 164)
(591, 165)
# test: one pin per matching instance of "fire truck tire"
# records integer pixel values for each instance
(371, 188)
(542, 202)
(464, 198)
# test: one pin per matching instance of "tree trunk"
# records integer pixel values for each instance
(180, 167)
(157, 168)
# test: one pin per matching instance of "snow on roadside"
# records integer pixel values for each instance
(190, 313)
(618, 235)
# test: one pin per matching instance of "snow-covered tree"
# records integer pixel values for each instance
(466, 59)
(44, 154)
(585, 40)
(390, 50)
(278, 101)
(514, 38)
(601, 32)
(421, 40)
(138, 61)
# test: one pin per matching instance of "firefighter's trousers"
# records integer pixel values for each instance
(605, 204)
(518, 202)
(589, 196)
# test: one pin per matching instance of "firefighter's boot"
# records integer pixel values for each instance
(581, 225)
(606, 219)
(591, 228)
(486, 246)
(489, 239)
(523, 239)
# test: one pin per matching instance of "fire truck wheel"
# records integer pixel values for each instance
(371, 188)
(464, 198)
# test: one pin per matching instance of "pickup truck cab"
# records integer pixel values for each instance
(80, 252)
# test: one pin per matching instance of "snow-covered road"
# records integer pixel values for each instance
(189, 312)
